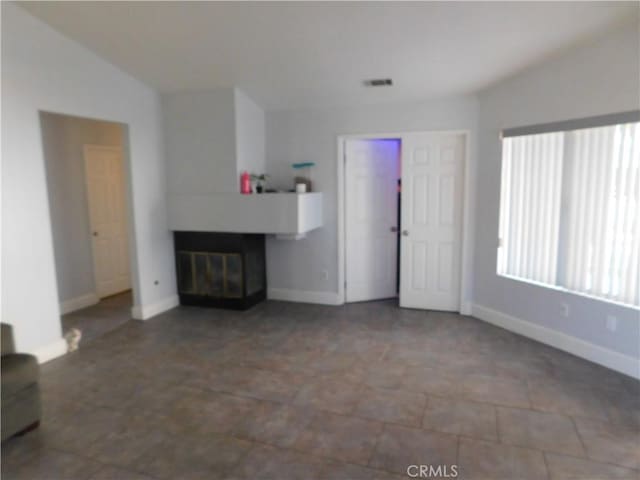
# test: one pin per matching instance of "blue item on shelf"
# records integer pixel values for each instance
(303, 165)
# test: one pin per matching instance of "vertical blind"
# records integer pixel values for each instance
(570, 210)
(530, 206)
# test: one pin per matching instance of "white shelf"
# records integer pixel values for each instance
(285, 214)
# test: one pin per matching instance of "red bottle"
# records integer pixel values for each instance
(245, 183)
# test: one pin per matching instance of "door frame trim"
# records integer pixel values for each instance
(468, 213)
(86, 148)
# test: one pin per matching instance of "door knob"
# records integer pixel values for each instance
(393, 229)
(95, 234)
(405, 233)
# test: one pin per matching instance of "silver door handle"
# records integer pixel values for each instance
(393, 229)
(405, 233)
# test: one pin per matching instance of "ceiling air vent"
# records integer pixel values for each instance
(378, 82)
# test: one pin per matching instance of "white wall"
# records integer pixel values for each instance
(42, 70)
(63, 140)
(211, 137)
(250, 132)
(311, 136)
(200, 139)
(602, 77)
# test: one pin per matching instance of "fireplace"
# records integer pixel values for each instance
(225, 270)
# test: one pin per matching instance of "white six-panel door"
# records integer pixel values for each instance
(104, 176)
(431, 220)
(371, 202)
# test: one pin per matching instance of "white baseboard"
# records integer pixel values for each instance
(78, 303)
(145, 312)
(603, 356)
(50, 351)
(303, 296)
(466, 308)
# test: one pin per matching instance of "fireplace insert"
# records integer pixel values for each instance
(225, 270)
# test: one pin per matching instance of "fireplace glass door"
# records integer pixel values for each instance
(217, 275)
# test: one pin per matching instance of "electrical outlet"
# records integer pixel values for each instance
(325, 274)
(564, 309)
(612, 323)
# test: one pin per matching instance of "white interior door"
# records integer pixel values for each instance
(431, 219)
(107, 218)
(371, 202)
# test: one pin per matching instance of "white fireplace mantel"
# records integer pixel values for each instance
(288, 215)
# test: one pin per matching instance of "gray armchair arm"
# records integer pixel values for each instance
(7, 339)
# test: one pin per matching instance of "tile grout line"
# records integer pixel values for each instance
(498, 435)
(582, 443)
(546, 465)
(375, 446)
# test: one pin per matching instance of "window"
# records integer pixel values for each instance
(570, 206)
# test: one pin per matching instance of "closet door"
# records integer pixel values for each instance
(108, 219)
(371, 203)
(431, 220)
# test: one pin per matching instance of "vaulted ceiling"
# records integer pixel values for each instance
(289, 55)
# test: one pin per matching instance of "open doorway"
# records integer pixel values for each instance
(403, 214)
(86, 183)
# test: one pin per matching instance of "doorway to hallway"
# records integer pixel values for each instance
(87, 184)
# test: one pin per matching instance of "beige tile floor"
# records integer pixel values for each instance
(292, 391)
